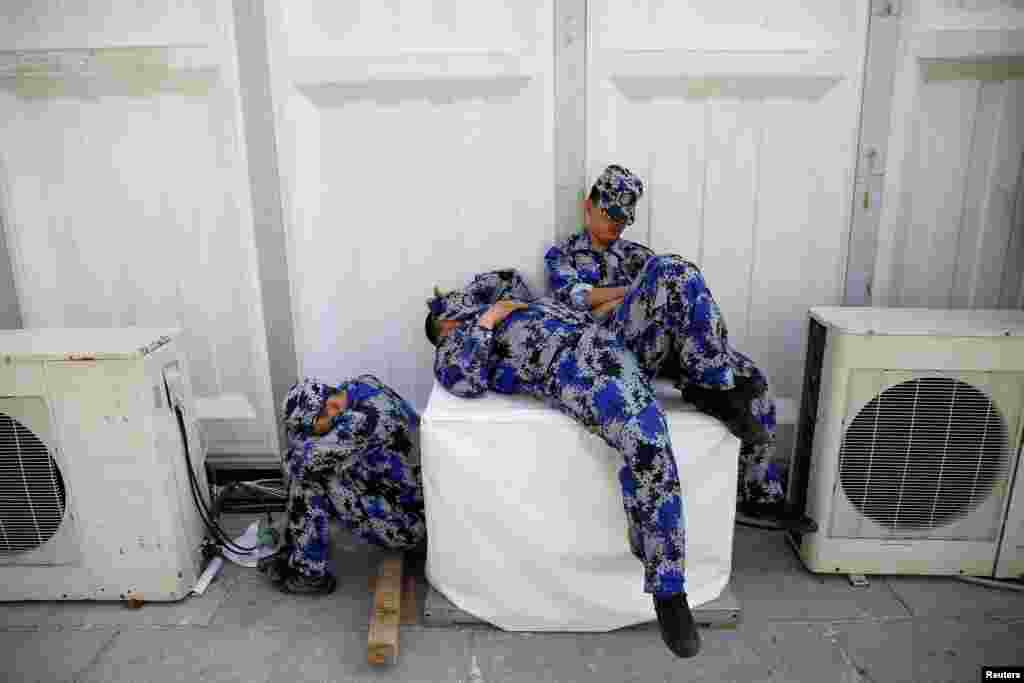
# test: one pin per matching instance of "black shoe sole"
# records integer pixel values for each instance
(326, 587)
(688, 645)
(803, 525)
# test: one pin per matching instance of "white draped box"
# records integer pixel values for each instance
(525, 520)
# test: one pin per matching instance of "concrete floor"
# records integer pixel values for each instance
(796, 627)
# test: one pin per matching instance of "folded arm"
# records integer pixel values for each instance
(569, 287)
(499, 285)
(462, 360)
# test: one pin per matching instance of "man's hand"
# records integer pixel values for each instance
(498, 312)
(599, 296)
(607, 307)
(334, 406)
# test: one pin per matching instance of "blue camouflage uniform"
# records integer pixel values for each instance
(668, 309)
(364, 470)
(558, 354)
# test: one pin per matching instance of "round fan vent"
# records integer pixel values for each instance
(923, 454)
(32, 495)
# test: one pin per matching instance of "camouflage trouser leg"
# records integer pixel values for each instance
(600, 384)
(761, 485)
(669, 309)
(381, 503)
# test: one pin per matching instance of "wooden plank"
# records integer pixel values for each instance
(722, 612)
(387, 600)
(410, 607)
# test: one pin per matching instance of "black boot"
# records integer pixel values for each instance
(779, 517)
(678, 629)
(733, 408)
(301, 584)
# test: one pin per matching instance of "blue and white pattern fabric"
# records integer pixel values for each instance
(669, 309)
(364, 471)
(557, 354)
(575, 267)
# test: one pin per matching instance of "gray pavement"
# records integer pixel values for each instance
(796, 626)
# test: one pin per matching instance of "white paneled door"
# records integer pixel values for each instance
(742, 120)
(951, 233)
(123, 187)
(416, 150)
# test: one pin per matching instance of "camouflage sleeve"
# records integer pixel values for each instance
(398, 407)
(462, 361)
(498, 285)
(515, 287)
(349, 435)
(567, 287)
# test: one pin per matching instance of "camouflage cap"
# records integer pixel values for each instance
(618, 191)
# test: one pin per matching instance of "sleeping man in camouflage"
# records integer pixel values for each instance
(663, 310)
(494, 335)
(351, 456)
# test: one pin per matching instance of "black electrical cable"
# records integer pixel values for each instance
(205, 514)
(207, 517)
(804, 525)
(768, 526)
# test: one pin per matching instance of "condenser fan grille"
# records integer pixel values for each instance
(923, 453)
(32, 495)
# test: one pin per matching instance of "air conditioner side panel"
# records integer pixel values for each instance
(20, 378)
(803, 446)
(107, 433)
(827, 437)
(189, 526)
(1010, 563)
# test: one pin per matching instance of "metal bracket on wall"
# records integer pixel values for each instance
(858, 580)
(886, 8)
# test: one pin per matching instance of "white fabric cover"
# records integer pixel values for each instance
(525, 520)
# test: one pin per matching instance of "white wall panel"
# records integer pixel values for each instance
(941, 148)
(949, 228)
(124, 192)
(743, 122)
(799, 240)
(48, 24)
(417, 150)
(730, 206)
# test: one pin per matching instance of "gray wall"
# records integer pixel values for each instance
(10, 311)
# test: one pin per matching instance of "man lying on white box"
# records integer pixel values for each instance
(495, 335)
